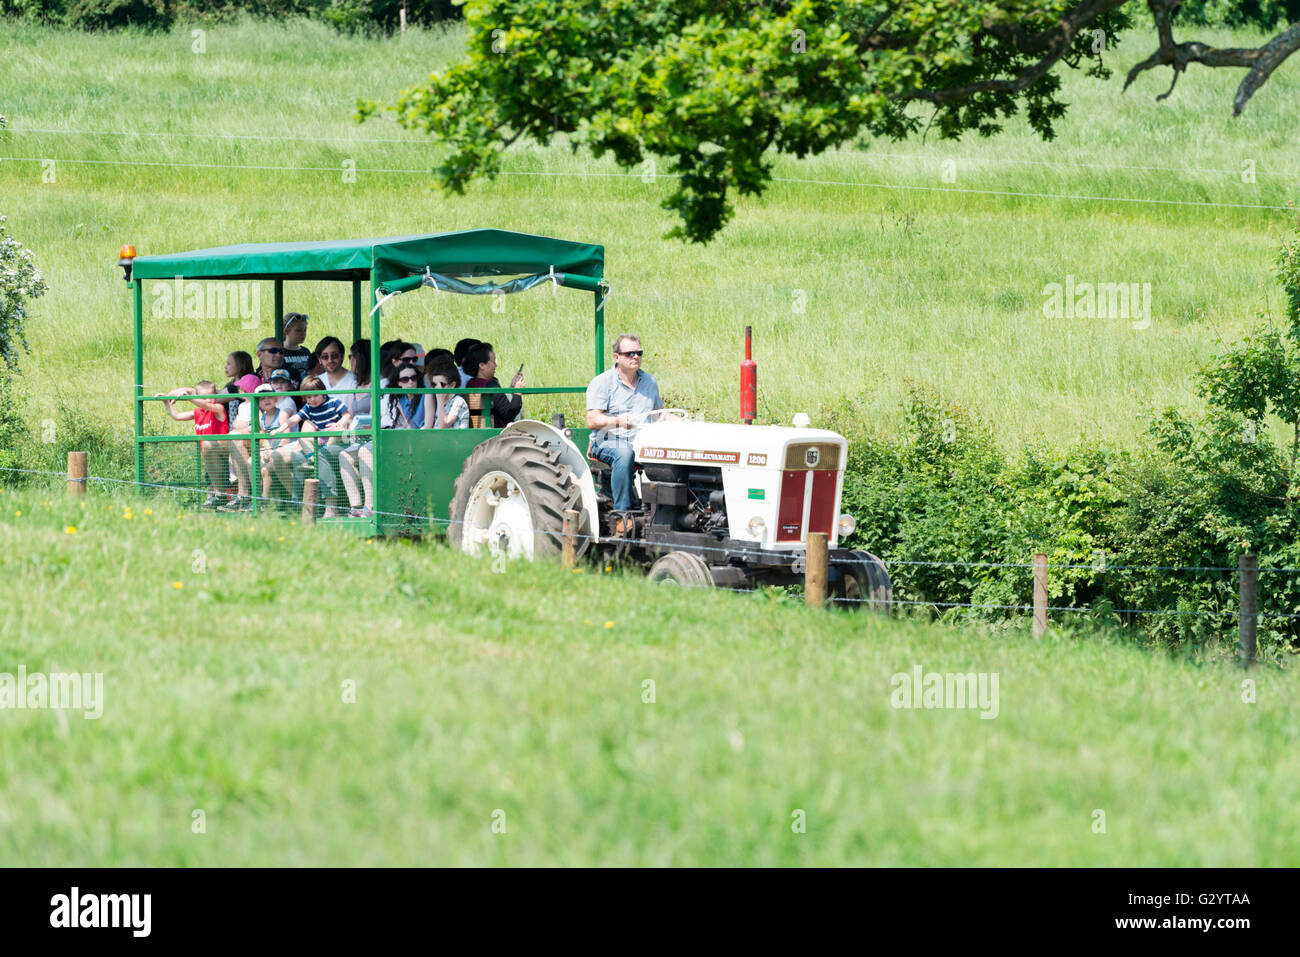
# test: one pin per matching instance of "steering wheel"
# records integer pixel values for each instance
(676, 413)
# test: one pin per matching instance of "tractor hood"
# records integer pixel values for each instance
(745, 446)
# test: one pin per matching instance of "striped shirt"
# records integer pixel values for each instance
(324, 415)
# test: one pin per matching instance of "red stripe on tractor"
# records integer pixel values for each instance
(789, 517)
(821, 514)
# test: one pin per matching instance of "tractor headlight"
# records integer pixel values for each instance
(756, 526)
(847, 524)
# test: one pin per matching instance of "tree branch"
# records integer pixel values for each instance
(1261, 61)
(1054, 42)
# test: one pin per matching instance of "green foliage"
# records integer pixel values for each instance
(1266, 14)
(349, 15)
(942, 491)
(20, 282)
(717, 89)
(15, 436)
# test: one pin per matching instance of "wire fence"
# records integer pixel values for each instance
(584, 541)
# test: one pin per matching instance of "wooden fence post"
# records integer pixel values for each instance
(1248, 620)
(310, 496)
(77, 474)
(1040, 594)
(570, 526)
(814, 575)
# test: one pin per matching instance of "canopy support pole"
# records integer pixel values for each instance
(600, 333)
(376, 453)
(138, 291)
(356, 311)
(279, 310)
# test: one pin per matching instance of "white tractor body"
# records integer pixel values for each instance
(780, 483)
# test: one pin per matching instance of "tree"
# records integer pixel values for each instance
(717, 88)
(20, 281)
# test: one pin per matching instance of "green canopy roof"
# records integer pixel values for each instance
(470, 252)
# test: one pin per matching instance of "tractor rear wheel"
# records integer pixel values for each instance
(510, 498)
(864, 584)
(681, 568)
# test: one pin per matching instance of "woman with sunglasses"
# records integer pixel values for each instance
(403, 411)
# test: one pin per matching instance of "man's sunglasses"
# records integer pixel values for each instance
(632, 353)
(274, 351)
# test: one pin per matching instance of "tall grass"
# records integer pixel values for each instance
(850, 288)
(610, 722)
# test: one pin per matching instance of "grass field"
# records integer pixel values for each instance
(525, 694)
(899, 282)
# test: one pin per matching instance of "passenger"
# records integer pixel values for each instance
(323, 413)
(270, 356)
(239, 366)
(358, 471)
(297, 357)
(444, 411)
(241, 423)
(390, 354)
(281, 457)
(359, 363)
(209, 418)
(459, 354)
(433, 355)
(281, 382)
(403, 411)
(356, 464)
(481, 363)
(334, 375)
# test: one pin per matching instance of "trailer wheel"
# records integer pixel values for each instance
(681, 568)
(864, 584)
(510, 498)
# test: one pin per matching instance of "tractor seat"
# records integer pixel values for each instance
(596, 464)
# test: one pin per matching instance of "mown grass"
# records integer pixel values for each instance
(478, 693)
(897, 281)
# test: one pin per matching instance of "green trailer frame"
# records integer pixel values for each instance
(414, 469)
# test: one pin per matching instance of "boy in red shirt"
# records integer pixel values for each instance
(209, 418)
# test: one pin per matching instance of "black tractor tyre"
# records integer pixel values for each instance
(681, 568)
(547, 484)
(864, 584)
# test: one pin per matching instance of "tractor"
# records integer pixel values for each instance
(721, 505)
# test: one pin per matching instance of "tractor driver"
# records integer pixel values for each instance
(617, 401)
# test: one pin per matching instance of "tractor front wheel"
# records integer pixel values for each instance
(864, 584)
(681, 568)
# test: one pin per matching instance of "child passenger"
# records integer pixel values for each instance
(209, 417)
(323, 413)
(445, 411)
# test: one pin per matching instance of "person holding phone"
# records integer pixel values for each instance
(481, 365)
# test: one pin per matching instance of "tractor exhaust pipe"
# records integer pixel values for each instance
(748, 383)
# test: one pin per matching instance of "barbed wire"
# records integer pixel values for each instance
(586, 539)
(863, 153)
(599, 174)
